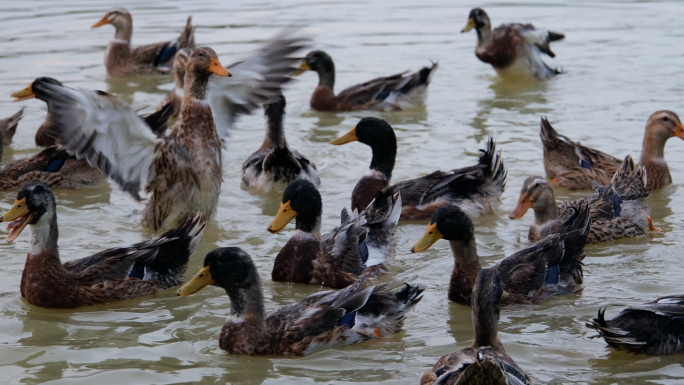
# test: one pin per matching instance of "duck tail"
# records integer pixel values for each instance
(384, 312)
(381, 218)
(8, 126)
(495, 170)
(174, 249)
(575, 231)
(548, 134)
(630, 180)
(187, 37)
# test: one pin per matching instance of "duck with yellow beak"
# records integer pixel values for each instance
(338, 258)
(550, 267)
(144, 268)
(122, 60)
(327, 319)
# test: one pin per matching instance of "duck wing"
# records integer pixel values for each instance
(104, 130)
(256, 80)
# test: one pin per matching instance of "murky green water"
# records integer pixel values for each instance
(623, 62)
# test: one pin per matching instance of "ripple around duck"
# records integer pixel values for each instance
(619, 64)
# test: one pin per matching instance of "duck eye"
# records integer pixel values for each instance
(201, 276)
(665, 119)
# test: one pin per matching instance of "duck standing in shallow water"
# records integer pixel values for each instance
(322, 320)
(144, 268)
(571, 165)
(122, 60)
(656, 327)
(512, 49)
(388, 93)
(477, 189)
(274, 165)
(484, 361)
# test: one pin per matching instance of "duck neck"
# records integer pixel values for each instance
(123, 33)
(384, 157)
(311, 225)
(484, 34)
(326, 76)
(275, 135)
(179, 80)
(545, 209)
(247, 301)
(195, 86)
(653, 147)
(486, 325)
(44, 235)
(465, 252)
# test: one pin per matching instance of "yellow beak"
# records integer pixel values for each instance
(284, 216)
(303, 67)
(25, 94)
(20, 216)
(201, 280)
(346, 138)
(431, 236)
(216, 68)
(101, 22)
(469, 25)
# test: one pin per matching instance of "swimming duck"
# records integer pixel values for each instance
(153, 265)
(322, 320)
(175, 97)
(572, 165)
(8, 127)
(476, 189)
(484, 361)
(512, 49)
(617, 210)
(122, 60)
(550, 267)
(396, 92)
(337, 258)
(182, 170)
(274, 165)
(655, 327)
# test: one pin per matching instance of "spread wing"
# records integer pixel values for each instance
(255, 81)
(105, 131)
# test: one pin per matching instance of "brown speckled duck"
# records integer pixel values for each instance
(617, 210)
(484, 361)
(550, 267)
(476, 189)
(122, 60)
(322, 320)
(512, 49)
(144, 268)
(394, 92)
(175, 97)
(361, 245)
(8, 127)
(572, 165)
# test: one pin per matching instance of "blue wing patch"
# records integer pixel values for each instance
(56, 164)
(138, 272)
(363, 250)
(383, 95)
(617, 204)
(553, 275)
(348, 320)
(166, 54)
(585, 164)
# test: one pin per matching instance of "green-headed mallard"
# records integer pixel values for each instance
(618, 210)
(512, 49)
(326, 319)
(656, 327)
(362, 244)
(484, 361)
(182, 170)
(572, 165)
(274, 165)
(476, 189)
(122, 60)
(144, 268)
(396, 92)
(550, 267)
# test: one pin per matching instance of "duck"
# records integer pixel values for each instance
(273, 166)
(157, 122)
(618, 210)
(514, 50)
(182, 171)
(175, 97)
(389, 93)
(121, 60)
(8, 127)
(477, 189)
(571, 165)
(322, 320)
(550, 267)
(484, 361)
(652, 328)
(360, 246)
(115, 274)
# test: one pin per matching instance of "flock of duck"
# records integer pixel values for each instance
(92, 135)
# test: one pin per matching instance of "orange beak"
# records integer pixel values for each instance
(101, 22)
(651, 226)
(217, 69)
(524, 204)
(679, 131)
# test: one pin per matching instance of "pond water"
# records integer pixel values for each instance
(622, 62)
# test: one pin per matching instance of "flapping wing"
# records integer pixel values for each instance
(256, 80)
(105, 131)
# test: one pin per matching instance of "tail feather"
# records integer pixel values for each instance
(187, 37)
(496, 176)
(547, 133)
(575, 231)
(8, 127)
(630, 180)
(158, 121)
(555, 36)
